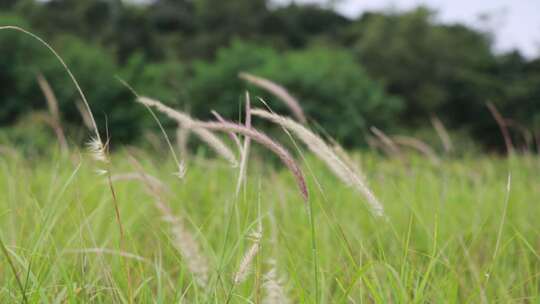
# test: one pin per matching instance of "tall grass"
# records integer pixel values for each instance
(449, 236)
(445, 224)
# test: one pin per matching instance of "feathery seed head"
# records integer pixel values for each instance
(324, 152)
(278, 91)
(243, 270)
(187, 122)
(97, 149)
(181, 173)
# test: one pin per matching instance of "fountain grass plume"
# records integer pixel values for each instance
(278, 91)
(187, 122)
(247, 260)
(324, 152)
(180, 164)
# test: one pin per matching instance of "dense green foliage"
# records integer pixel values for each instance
(95, 70)
(445, 69)
(331, 85)
(386, 69)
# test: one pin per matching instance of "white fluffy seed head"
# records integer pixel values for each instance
(245, 265)
(181, 170)
(97, 150)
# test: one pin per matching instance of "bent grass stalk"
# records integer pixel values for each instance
(187, 122)
(66, 68)
(267, 142)
(278, 91)
(327, 155)
(180, 164)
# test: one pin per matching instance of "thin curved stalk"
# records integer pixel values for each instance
(278, 91)
(245, 148)
(187, 122)
(327, 155)
(265, 141)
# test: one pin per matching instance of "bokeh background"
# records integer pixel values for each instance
(351, 64)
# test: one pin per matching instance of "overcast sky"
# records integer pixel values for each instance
(516, 23)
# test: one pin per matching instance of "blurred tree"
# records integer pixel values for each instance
(335, 91)
(221, 21)
(436, 68)
(7, 4)
(296, 25)
(215, 85)
(95, 69)
(170, 16)
(520, 89)
(88, 19)
(332, 87)
(189, 51)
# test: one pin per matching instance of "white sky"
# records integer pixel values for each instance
(515, 23)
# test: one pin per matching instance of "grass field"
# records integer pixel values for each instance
(464, 231)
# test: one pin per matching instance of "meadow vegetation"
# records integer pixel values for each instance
(463, 231)
(262, 203)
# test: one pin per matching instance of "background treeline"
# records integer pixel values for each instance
(389, 69)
